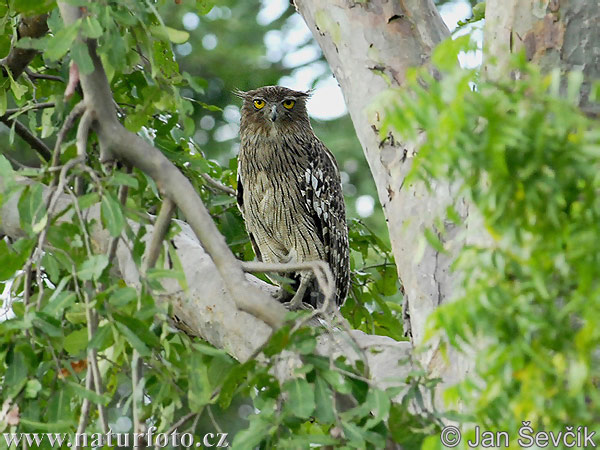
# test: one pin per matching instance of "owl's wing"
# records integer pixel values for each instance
(240, 202)
(321, 188)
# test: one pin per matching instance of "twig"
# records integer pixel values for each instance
(32, 107)
(136, 378)
(217, 184)
(112, 247)
(320, 269)
(161, 226)
(81, 140)
(77, 111)
(36, 143)
(180, 422)
(92, 320)
(85, 406)
(83, 131)
(212, 419)
(42, 76)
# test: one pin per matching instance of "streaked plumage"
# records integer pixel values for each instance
(289, 188)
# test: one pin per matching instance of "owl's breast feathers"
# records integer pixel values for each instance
(290, 194)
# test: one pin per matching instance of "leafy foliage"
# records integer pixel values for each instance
(67, 305)
(527, 157)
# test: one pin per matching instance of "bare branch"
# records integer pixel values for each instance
(34, 106)
(67, 125)
(217, 184)
(85, 406)
(161, 226)
(320, 269)
(42, 76)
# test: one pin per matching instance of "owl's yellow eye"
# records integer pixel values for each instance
(259, 104)
(288, 104)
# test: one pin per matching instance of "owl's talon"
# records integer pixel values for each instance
(296, 304)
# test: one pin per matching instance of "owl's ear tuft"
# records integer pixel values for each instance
(308, 93)
(239, 93)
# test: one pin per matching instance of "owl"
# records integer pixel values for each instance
(289, 192)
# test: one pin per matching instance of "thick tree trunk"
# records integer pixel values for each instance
(553, 34)
(369, 46)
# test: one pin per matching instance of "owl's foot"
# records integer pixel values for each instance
(297, 300)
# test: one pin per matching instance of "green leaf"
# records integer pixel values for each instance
(87, 200)
(102, 339)
(17, 89)
(337, 381)
(324, 402)
(32, 209)
(82, 392)
(32, 388)
(76, 341)
(122, 296)
(59, 300)
(112, 215)
(50, 266)
(92, 268)
(62, 41)
(235, 378)
(379, 404)
(91, 28)
(133, 340)
(12, 260)
(47, 324)
(120, 179)
(138, 329)
(80, 54)
(170, 34)
(3, 101)
(208, 350)
(200, 391)
(354, 434)
(301, 400)
(15, 376)
(47, 125)
(156, 274)
(204, 6)
(60, 426)
(258, 430)
(434, 240)
(59, 405)
(34, 7)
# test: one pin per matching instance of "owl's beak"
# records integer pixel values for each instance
(273, 114)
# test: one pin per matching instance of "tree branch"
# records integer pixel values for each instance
(217, 184)
(206, 305)
(369, 47)
(115, 139)
(19, 58)
(36, 143)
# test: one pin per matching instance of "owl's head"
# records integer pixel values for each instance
(274, 108)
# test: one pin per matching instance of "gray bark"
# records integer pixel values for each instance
(553, 34)
(208, 309)
(369, 47)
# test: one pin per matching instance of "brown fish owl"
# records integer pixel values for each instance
(289, 191)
